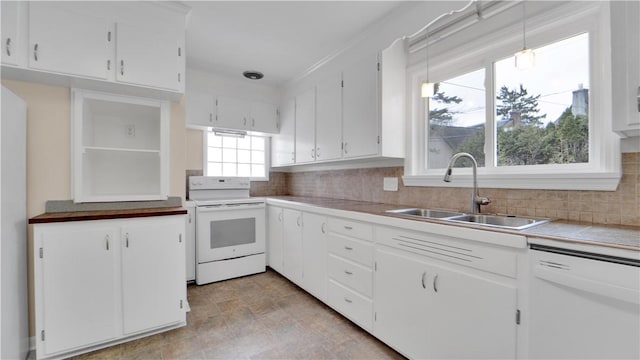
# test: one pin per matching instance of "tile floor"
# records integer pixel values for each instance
(263, 316)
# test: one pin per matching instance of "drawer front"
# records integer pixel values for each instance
(355, 229)
(354, 276)
(351, 249)
(354, 306)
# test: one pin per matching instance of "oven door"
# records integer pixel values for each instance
(229, 231)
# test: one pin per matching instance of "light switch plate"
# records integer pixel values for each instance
(390, 184)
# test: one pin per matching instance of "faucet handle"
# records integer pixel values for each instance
(483, 201)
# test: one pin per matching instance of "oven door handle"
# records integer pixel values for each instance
(214, 208)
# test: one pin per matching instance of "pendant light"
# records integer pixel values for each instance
(428, 88)
(526, 58)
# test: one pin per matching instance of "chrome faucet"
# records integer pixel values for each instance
(476, 199)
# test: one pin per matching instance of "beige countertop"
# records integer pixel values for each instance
(614, 236)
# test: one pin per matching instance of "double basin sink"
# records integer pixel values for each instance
(497, 221)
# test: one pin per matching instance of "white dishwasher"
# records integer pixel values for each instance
(583, 305)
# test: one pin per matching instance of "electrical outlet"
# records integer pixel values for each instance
(390, 184)
(131, 131)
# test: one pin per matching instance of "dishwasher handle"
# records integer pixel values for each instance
(561, 277)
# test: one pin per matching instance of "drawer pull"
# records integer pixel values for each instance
(348, 248)
(348, 300)
(348, 227)
(348, 272)
(424, 275)
(435, 284)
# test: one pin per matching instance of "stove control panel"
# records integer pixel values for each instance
(218, 183)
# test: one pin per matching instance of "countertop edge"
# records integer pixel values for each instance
(47, 218)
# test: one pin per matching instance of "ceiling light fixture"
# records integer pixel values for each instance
(428, 88)
(526, 58)
(253, 74)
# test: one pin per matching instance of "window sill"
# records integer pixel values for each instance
(602, 181)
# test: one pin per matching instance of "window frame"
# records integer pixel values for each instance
(267, 155)
(455, 57)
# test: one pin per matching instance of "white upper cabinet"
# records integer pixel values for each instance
(305, 126)
(148, 57)
(231, 113)
(625, 43)
(282, 144)
(120, 147)
(65, 39)
(329, 119)
(200, 108)
(263, 117)
(12, 43)
(137, 47)
(360, 108)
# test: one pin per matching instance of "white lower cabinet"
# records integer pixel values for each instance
(427, 310)
(99, 282)
(275, 238)
(314, 245)
(292, 245)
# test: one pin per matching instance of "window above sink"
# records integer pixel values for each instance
(548, 127)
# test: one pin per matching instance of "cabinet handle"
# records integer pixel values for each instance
(189, 218)
(280, 216)
(210, 117)
(345, 148)
(244, 121)
(293, 156)
(106, 240)
(322, 228)
(348, 300)
(424, 275)
(348, 272)
(435, 284)
(108, 64)
(108, 36)
(179, 51)
(348, 227)
(253, 122)
(126, 239)
(313, 153)
(317, 152)
(8, 47)
(122, 67)
(348, 248)
(35, 52)
(178, 77)
(298, 221)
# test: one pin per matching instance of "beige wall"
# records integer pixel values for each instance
(49, 157)
(194, 149)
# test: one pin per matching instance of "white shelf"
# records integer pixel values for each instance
(103, 148)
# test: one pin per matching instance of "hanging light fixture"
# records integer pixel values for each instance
(427, 89)
(526, 58)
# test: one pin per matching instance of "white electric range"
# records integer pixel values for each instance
(230, 228)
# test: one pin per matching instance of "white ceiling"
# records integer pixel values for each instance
(282, 39)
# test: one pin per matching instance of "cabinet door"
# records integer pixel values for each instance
(292, 245)
(147, 57)
(12, 45)
(200, 109)
(360, 118)
(401, 298)
(153, 285)
(190, 244)
(470, 316)
(282, 144)
(329, 119)
(314, 245)
(263, 117)
(305, 126)
(231, 113)
(76, 296)
(64, 40)
(274, 241)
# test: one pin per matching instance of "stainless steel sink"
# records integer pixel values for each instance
(499, 221)
(426, 213)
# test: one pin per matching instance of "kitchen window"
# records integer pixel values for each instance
(547, 127)
(236, 155)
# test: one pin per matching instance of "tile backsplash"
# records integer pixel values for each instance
(620, 207)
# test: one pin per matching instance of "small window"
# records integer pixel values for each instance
(242, 156)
